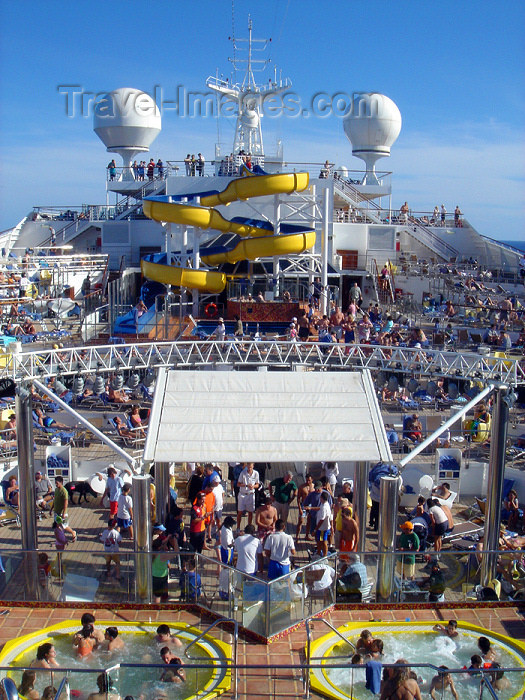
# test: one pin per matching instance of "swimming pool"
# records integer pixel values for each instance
(140, 648)
(417, 643)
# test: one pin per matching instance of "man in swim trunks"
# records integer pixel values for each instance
(265, 519)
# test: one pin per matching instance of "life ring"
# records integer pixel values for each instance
(211, 310)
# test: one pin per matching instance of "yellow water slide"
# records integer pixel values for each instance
(258, 239)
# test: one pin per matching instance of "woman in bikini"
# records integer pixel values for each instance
(399, 686)
(84, 643)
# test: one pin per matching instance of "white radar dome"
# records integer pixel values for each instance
(127, 121)
(372, 125)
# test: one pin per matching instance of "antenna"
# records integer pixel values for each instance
(248, 95)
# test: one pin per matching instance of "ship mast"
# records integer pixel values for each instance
(248, 96)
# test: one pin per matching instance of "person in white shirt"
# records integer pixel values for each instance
(248, 483)
(226, 540)
(125, 510)
(218, 492)
(111, 538)
(322, 532)
(249, 552)
(277, 548)
(220, 331)
(331, 471)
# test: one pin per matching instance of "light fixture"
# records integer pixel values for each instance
(393, 384)
(99, 385)
(60, 388)
(412, 385)
(117, 382)
(149, 378)
(78, 385)
(453, 390)
(133, 380)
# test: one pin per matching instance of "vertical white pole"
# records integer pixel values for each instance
(276, 231)
(324, 250)
(196, 262)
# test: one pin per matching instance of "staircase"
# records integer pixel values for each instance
(367, 208)
(427, 238)
(373, 212)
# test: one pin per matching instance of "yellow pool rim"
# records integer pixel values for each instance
(326, 688)
(220, 680)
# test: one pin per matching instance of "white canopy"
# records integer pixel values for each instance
(209, 416)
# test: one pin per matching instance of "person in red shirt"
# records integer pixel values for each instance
(209, 504)
(198, 522)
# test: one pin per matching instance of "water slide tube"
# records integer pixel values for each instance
(257, 235)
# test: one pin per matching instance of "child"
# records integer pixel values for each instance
(111, 538)
(44, 569)
(190, 583)
(451, 630)
(440, 682)
(61, 542)
(112, 639)
(476, 662)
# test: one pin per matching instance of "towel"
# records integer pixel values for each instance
(373, 676)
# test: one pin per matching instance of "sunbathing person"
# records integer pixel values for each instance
(117, 395)
(29, 327)
(122, 428)
(48, 422)
(12, 492)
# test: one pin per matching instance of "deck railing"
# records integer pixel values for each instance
(265, 607)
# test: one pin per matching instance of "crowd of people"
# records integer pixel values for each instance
(388, 681)
(141, 170)
(194, 166)
(91, 641)
(398, 681)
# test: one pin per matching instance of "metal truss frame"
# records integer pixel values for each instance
(275, 353)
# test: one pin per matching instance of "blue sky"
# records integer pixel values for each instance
(455, 70)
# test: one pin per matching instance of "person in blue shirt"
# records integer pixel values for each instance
(190, 582)
(210, 475)
(113, 490)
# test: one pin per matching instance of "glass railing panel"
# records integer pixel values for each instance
(267, 607)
